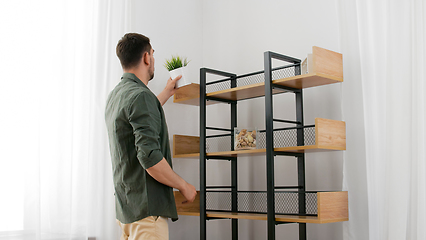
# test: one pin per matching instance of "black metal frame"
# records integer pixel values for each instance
(203, 158)
(270, 153)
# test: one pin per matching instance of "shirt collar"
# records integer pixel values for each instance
(133, 77)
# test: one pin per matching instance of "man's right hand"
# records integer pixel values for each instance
(189, 193)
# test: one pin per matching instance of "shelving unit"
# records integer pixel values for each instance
(325, 135)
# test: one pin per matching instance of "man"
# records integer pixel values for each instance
(139, 146)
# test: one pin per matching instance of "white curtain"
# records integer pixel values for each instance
(58, 64)
(383, 45)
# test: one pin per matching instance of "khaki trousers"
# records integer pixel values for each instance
(149, 228)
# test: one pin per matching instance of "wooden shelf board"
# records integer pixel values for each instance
(258, 152)
(308, 149)
(252, 152)
(330, 135)
(190, 94)
(188, 100)
(186, 146)
(195, 101)
(188, 213)
(308, 80)
(189, 155)
(259, 216)
(243, 92)
(331, 207)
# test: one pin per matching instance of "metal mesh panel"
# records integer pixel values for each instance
(219, 201)
(252, 202)
(218, 86)
(311, 203)
(287, 138)
(251, 79)
(283, 73)
(288, 203)
(309, 136)
(218, 144)
(285, 202)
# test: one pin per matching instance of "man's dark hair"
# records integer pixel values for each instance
(130, 49)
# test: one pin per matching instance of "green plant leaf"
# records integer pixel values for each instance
(175, 62)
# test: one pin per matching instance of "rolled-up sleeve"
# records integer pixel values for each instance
(145, 118)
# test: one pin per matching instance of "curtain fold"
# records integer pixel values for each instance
(58, 66)
(389, 39)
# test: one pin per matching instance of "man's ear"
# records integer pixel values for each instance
(145, 58)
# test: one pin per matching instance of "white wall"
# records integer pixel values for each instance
(232, 36)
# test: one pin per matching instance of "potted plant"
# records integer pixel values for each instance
(177, 66)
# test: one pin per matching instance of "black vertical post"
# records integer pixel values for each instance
(270, 185)
(234, 181)
(302, 197)
(234, 169)
(203, 214)
(301, 159)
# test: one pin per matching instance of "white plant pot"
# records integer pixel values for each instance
(184, 80)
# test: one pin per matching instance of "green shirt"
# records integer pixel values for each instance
(138, 139)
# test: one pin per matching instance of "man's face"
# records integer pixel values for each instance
(152, 63)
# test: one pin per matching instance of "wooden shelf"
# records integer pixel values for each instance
(329, 135)
(254, 90)
(189, 94)
(254, 216)
(327, 68)
(190, 209)
(243, 92)
(186, 146)
(308, 80)
(331, 206)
